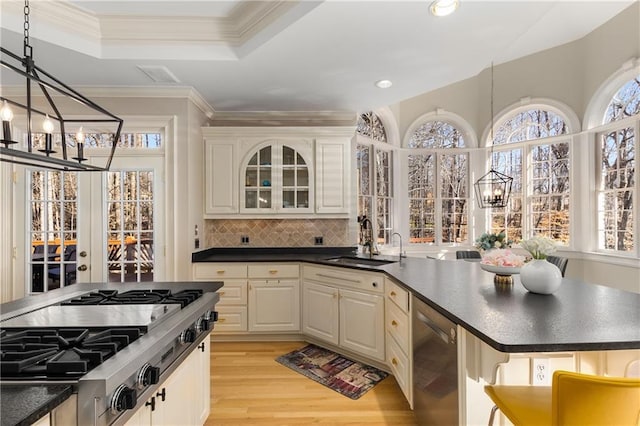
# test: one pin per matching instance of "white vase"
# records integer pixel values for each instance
(540, 276)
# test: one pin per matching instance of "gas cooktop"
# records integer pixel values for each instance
(59, 354)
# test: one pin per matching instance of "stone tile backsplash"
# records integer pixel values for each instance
(276, 232)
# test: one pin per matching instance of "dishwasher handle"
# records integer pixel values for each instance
(446, 337)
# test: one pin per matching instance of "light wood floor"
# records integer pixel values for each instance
(249, 387)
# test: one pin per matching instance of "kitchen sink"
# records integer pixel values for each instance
(353, 260)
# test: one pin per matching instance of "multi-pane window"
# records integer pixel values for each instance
(384, 195)
(617, 179)
(374, 176)
(130, 225)
(438, 184)
(53, 229)
(540, 172)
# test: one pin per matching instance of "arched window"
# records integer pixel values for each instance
(617, 178)
(374, 159)
(438, 184)
(539, 201)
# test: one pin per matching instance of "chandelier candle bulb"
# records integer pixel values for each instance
(47, 126)
(6, 115)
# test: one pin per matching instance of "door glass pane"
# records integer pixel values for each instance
(130, 234)
(52, 230)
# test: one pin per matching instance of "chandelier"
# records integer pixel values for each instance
(494, 188)
(37, 103)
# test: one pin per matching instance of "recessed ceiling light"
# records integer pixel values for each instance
(384, 84)
(444, 7)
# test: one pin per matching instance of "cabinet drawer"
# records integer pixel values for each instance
(344, 278)
(399, 364)
(212, 271)
(398, 295)
(267, 270)
(397, 324)
(231, 318)
(234, 292)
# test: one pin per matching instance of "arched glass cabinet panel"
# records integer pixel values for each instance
(258, 180)
(295, 180)
(277, 179)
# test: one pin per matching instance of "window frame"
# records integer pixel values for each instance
(470, 148)
(573, 125)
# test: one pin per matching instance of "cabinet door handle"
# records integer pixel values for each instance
(162, 394)
(221, 319)
(394, 361)
(220, 271)
(152, 403)
(338, 278)
(392, 294)
(221, 293)
(394, 323)
(273, 271)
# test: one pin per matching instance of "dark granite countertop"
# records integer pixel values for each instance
(25, 404)
(578, 317)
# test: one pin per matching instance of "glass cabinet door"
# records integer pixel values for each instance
(295, 180)
(258, 180)
(276, 178)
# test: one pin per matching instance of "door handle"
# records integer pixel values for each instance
(82, 268)
(83, 253)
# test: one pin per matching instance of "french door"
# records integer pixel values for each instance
(96, 227)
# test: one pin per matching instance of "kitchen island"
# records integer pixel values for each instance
(498, 332)
(578, 317)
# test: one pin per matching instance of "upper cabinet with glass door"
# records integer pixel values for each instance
(277, 179)
(277, 171)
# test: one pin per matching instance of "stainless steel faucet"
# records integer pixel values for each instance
(400, 254)
(368, 239)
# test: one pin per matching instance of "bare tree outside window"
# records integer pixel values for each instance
(438, 182)
(548, 193)
(616, 204)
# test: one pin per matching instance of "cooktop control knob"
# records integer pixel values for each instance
(211, 316)
(123, 398)
(187, 336)
(148, 375)
(202, 324)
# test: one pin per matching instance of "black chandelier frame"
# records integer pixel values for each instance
(36, 76)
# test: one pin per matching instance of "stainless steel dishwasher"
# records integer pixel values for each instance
(435, 367)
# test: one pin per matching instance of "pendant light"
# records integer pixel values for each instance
(494, 188)
(36, 78)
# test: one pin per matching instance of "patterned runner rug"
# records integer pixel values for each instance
(350, 378)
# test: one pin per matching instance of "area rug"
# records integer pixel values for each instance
(350, 378)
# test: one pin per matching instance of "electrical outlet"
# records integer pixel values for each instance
(244, 239)
(318, 241)
(540, 374)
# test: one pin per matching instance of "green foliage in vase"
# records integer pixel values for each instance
(488, 241)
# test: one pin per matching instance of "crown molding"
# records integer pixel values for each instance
(92, 92)
(153, 37)
(285, 118)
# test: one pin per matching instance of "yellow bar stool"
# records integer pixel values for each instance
(573, 399)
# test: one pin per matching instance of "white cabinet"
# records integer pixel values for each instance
(344, 308)
(274, 297)
(285, 171)
(232, 306)
(333, 171)
(362, 323)
(220, 173)
(184, 397)
(398, 341)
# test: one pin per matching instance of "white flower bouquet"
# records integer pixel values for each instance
(539, 247)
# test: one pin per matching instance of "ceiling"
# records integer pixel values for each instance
(290, 55)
